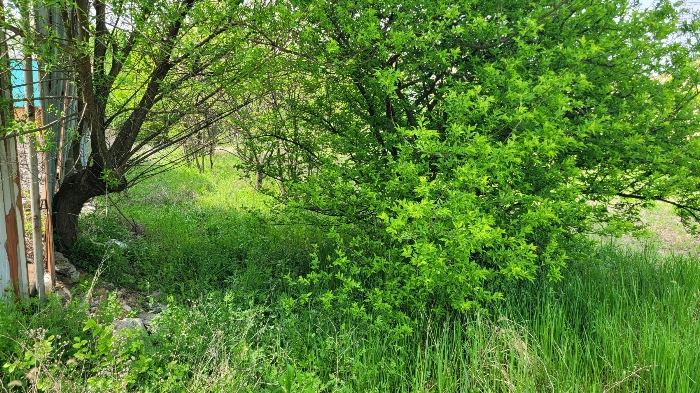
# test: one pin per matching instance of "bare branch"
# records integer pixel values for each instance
(691, 210)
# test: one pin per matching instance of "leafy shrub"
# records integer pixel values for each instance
(475, 141)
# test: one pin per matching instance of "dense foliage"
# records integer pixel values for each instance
(451, 144)
(431, 158)
(474, 141)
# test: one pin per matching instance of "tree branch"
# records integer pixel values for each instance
(693, 211)
(128, 132)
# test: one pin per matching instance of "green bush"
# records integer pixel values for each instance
(480, 141)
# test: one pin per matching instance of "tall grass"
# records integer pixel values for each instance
(621, 321)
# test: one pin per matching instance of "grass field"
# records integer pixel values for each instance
(625, 319)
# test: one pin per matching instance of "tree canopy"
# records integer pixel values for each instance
(145, 76)
(477, 141)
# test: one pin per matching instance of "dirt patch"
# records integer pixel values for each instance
(664, 232)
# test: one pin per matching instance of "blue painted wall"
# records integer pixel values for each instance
(17, 78)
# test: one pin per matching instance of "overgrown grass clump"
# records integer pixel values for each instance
(237, 319)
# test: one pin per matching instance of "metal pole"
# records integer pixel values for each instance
(34, 194)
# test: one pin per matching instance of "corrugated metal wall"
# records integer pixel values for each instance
(55, 84)
(58, 85)
(14, 280)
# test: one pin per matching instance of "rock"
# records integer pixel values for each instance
(126, 307)
(146, 317)
(117, 243)
(65, 295)
(135, 324)
(64, 267)
(88, 208)
(128, 297)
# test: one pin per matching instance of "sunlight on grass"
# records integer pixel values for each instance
(664, 233)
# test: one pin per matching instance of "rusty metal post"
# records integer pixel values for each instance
(48, 228)
(13, 259)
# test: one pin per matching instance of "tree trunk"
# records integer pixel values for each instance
(186, 148)
(200, 167)
(75, 190)
(259, 175)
